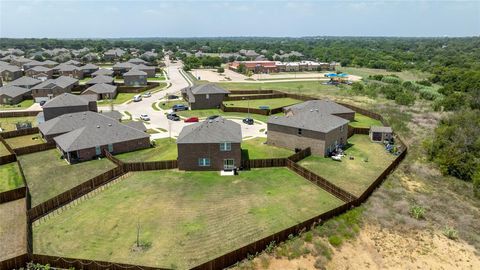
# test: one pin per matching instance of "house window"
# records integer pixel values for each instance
(228, 164)
(97, 150)
(207, 96)
(341, 128)
(203, 162)
(225, 146)
(299, 131)
(110, 148)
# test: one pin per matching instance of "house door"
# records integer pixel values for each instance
(228, 164)
(97, 150)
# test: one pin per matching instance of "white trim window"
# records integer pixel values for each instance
(225, 146)
(204, 162)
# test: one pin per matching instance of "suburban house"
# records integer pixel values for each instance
(73, 62)
(206, 96)
(70, 71)
(137, 61)
(19, 61)
(100, 79)
(25, 82)
(380, 133)
(10, 72)
(101, 91)
(67, 103)
(113, 54)
(10, 95)
(40, 72)
(86, 135)
(102, 71)
(53, 87)
(49, 63)
(210, 145)
(149, 56)
(89, 69)
(150, 70)
(32, 64)
(318, 124)
(122, 67)
(135, 78)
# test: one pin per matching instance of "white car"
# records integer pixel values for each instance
(145, 117)
(147, 95)
(137, 98)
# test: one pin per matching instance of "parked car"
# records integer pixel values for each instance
(145, 117)
(42, 102)
(172, 97)
(211, 117)
(137, 98)
(191, 120)
(248, 121)
(264, 107)
(173, 117)
(147, 95)
(179, 107)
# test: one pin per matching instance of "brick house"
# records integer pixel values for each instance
(19, 61)
(10, 72)
(150, 70)
(25, 82)
(255, 66)
(122, 67)
(113, 54)
(40, 72)
(320, 125)
(101, 91)
(206, 96)
(135, 78)
(67, 103)
(88, 69)
(100, 79)
(70, 71)
(210, 146)
(137, 61)
(53, 87)
(102, 72)
(11, 95)
(84, 136)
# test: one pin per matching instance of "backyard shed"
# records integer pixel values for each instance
(380, 133)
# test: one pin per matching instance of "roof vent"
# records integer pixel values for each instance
(311, 110)
(109, 125)
(98, 126)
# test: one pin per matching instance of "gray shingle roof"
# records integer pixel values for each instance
(113, 114)
(28, 81)
(103, 71)
(66, 100)
(64, 67)
(89, 129)
(102, 88)
(381, 129)
(309, 120)
(72, 62)
(137, 125)
(13, 91)
(324, 106)
(211, 131)
(135, 72)
(123, 65)
(9, 67)
(65, 81)
(100, 79)
(143, 67)
(40, 69)
(89, 66)
(137, 60)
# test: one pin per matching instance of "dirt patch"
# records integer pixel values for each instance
(13, 233)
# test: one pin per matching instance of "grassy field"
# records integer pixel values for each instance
(22, 141)
(209, 112)
(165, 149)
(167, 105)
(353, 175)
(272, 103)
(8, 124)
(364, 121)
(256, 148)
(408, 75)
(22, 105)
(47, 175)
(298, 87)
(124, 97)
(10, 177)
(185, 218)
(3, 150)
(13, 235)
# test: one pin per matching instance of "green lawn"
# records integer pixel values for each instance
(22, 105)
(353, 175)
(3, 150)
(256, 148)
(167, 105)
(208, 112)
(272, 103)
(408, 75)
(8, 124)
(10, 177)
(22, 141)
(47, 175)
(185, 218)
(304, 88)
(364, 121)
(165, 149)
(124, 97)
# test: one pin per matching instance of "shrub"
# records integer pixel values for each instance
(335, 240)
(450, 233)
(377, 77)
(270, 248)
(391, 79)
(220, 70)
(424, 83)
(476, 183)
(428, 94)
(308, 236)
(417, 212)
(405, 98)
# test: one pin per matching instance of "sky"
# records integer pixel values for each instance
(124, 18)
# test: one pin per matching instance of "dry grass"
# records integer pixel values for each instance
(13, 232)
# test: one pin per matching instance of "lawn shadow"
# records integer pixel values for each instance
(245, 154)
(348, 145)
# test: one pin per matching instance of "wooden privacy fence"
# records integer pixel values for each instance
(252, 97)
(244, 110)
(9, 148)
(34, 148)
(150, 166)
(112, 158)
(254, 92)
(300, 155)
(15, 262)
(7, 159)
(263, 163)
(13, 194)
(18, 114)
(132, 89)
(73, 194)
(239, 254)
(321, 182)
(19, 132)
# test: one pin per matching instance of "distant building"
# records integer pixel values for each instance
(206, 96)
(88, 69)
(101, 91)
(135, 78)
(67, 103)
(102, 72)
(255, 66)
(52, 88)
(10, 72)
(25, 82)
(113, 54)
(210, 145)
(11, 95)
(40, 72)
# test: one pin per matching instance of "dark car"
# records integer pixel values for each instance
(172, 97)
(42, 102)
(179, 107)
(212, 117)
(248, 121)
(264, 107)
(173, 117)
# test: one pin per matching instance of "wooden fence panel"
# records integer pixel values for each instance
(113, 159)
(150, 166)
(18, 114)
(300, 155)
(9, 148)
(15, 262)
(20, 132)
(13, 195)
(34, 148)
(253, 92)
(132, 89)
(252, 97)
(8, 159)
(263, 163)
